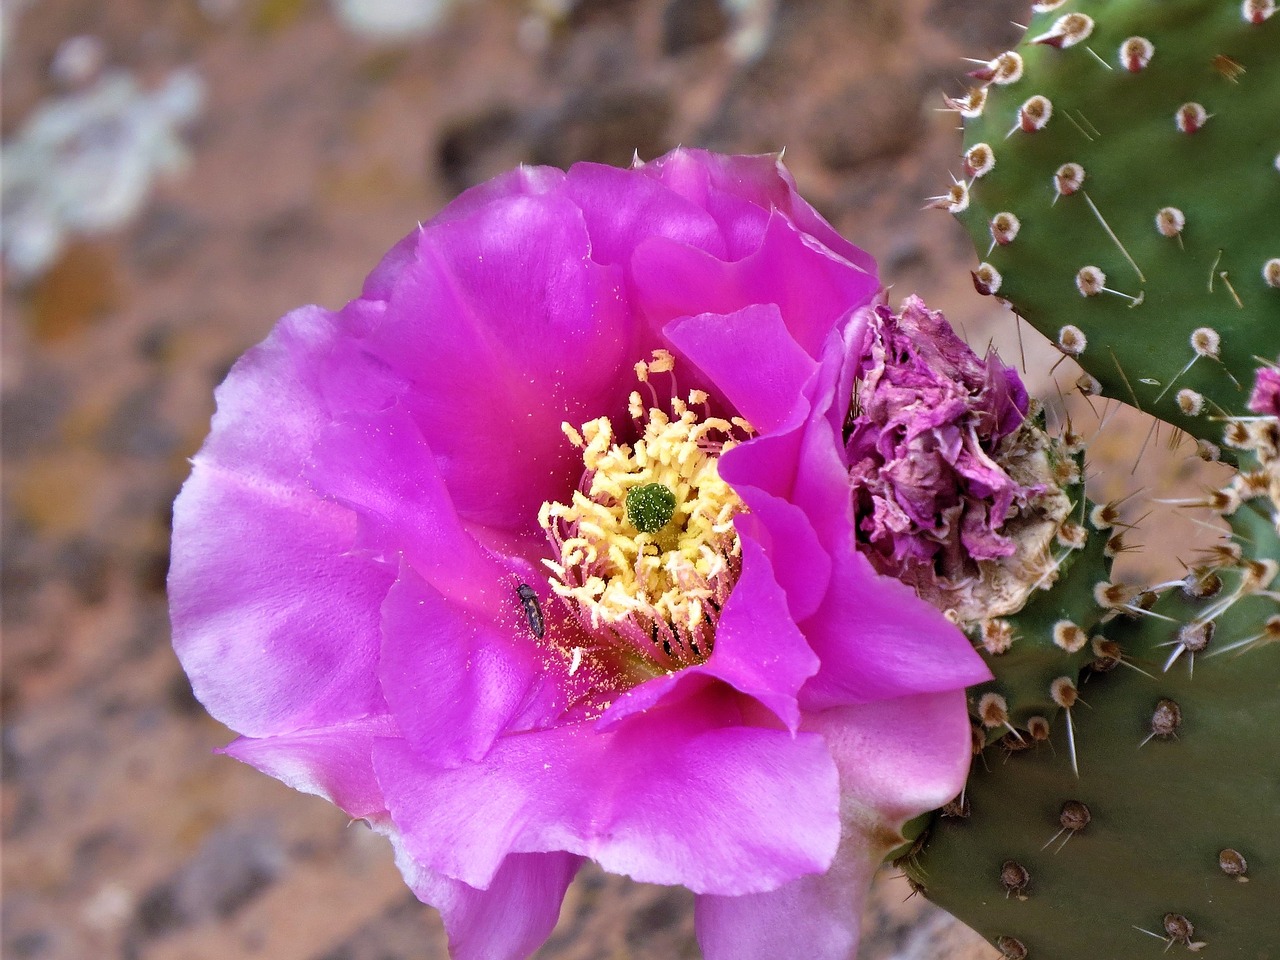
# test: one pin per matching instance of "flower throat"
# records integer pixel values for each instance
(646, 552)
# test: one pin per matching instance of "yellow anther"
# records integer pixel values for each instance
(574, 436)
(662, 362)
(659, 592)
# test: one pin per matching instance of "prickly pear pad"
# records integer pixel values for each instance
(1178, 773)
(1147, 204)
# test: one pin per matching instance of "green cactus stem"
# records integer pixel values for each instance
(1122, 187)
(1169, 836)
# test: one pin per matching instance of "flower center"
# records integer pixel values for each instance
(646, 552)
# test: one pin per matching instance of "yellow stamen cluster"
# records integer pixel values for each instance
(659, 593)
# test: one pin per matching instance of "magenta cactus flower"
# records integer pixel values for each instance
(542, 549)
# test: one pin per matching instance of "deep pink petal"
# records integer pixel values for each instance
(801, 565)
(507, 921)
(673, 280)
(751, 357)
(724, 184)
(622, 209)
(274, 621)
(796, 486)
(454, 680)
(877, 640)
(700, 177)
(380, 466)
(675, 795)
(331, 762)
(822, 487)
(509, 329)
(523, 181)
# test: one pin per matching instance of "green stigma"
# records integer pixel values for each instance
(650, 507)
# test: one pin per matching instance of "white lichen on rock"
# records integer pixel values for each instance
(84, 163)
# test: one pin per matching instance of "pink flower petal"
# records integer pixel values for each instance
(331, 762)
(507, 921)
(673, 280)
(455, 681)
(898, 758)
(814, 918)
(801, 565)
(751, 357)
(381, 467)
(759, 180)
(641, 799)
(525, 332)
(274, 621)
(622, 209)
(877, 640)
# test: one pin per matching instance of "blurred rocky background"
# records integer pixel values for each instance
(179, 173)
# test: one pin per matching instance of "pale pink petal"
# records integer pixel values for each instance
(275, 622)
(897, 759)
(813, 918)
(509, 919)
(331, 762)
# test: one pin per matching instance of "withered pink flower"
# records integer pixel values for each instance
(924, 445)
(542, 550)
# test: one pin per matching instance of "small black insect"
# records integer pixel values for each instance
(532, 609)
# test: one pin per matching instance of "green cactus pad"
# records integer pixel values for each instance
(1208, 262)
(1179, 781)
